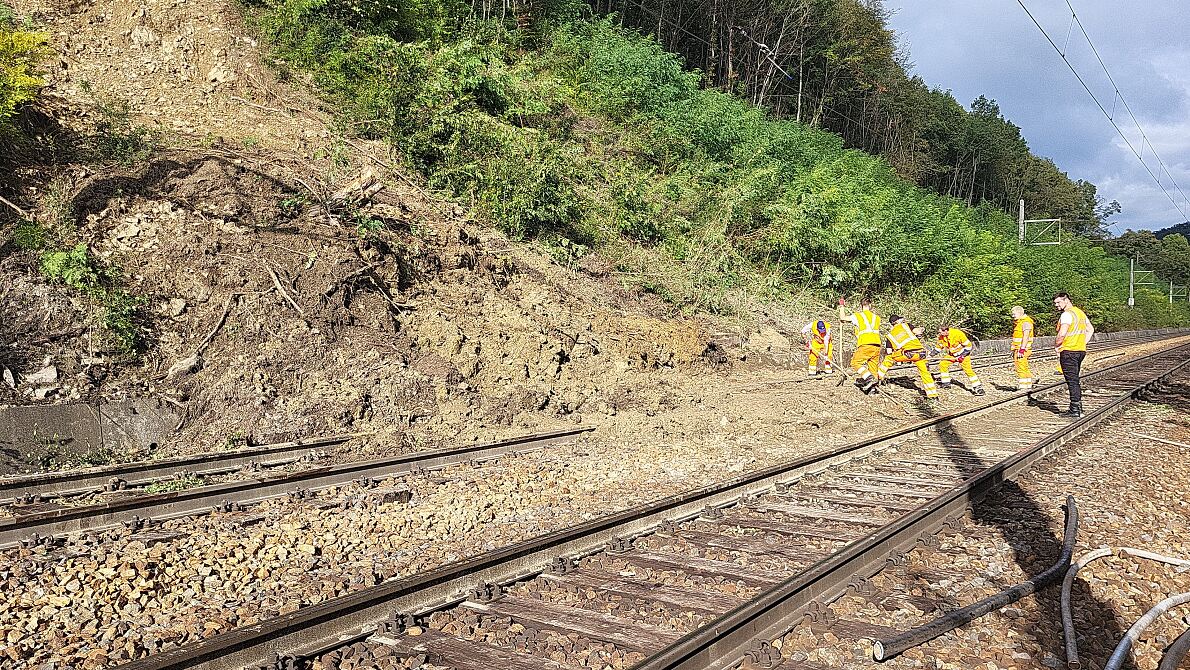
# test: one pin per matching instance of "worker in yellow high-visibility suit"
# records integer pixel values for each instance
(819, 345)
(956, 347)
(1022, 348)
(1074, 331)
(905, 347)
(866, 359)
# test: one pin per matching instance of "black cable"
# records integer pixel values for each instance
(886, 649)
(1176, 652)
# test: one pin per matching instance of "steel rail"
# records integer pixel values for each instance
(203, 498)
(142, 473)
(354, 616)
(728, 639)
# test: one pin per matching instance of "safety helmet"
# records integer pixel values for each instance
(820, 326)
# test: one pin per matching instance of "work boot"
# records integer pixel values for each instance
(870, 386)
(1074, 412)
(943, 385)
(978, 390)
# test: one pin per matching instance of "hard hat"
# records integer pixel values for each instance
(821, 326)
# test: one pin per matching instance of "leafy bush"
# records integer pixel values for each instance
(29, 236)
(117, 138)
(20, 53)
(77, 269)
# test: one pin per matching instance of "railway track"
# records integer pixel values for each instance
(690, 581)
(37, 518)
(35, 508)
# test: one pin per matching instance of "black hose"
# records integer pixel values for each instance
(1176, 653)
(886, 649)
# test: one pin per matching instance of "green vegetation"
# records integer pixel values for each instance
(21, 51)
(54, 454)
(77, 269)
(117, 139)
(178, 484)
(587, 136)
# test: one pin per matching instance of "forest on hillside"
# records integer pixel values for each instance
(835, 64)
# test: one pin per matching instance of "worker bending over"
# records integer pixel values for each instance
(819, 345)
(1074, 331)
(956, 347)
(1022, 347)
(905, 347)
(866, 359)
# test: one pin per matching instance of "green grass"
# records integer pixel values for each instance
(178, 484)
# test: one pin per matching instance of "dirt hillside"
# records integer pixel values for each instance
(268, 310)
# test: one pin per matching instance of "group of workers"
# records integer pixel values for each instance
(875, 355)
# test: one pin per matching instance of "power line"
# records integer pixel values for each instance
(1104, 110)
(1120, 96)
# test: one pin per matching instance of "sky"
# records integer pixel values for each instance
(992, 48)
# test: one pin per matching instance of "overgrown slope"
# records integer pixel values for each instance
(588, 136)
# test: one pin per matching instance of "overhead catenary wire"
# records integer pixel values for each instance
(1120, 97)
(1103, 109)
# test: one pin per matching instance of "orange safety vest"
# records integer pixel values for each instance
(1076, 335)
(902, 338)
(1022, 337)
(867, 328)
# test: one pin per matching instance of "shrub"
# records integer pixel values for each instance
(20, 54)
(77, 269)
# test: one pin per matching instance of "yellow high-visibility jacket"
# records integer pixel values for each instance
(1076, 335)
(902, 338)
(867, 328)
(955, 342)
(1022, 334)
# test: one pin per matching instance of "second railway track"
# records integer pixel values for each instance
(34, 521)
(690, 581)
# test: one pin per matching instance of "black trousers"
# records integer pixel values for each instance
(1072, 363)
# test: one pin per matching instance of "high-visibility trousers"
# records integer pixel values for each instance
(918, 358)
(1024, 376)
(816, 351)
(866, 361)
(944, 371)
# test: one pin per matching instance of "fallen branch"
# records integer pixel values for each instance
(395, 171)
(16, 209)
(348, 277)
(60, 335)
(281, 290)
(218, 325)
